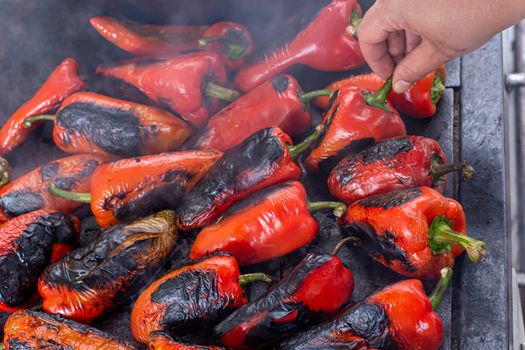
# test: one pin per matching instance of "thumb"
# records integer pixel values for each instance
(415, 65)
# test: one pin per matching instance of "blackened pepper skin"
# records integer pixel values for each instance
(162, 341)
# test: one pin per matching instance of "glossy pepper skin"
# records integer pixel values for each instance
(91, 280)
(30, 191)
(412, 244)
(326, 44)
(178, 83)
(28, 243)
(196, 295)
(32, 330)
(162, 341)
(314, 290)
(419, 101)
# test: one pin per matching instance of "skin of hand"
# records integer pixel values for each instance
(410, 38)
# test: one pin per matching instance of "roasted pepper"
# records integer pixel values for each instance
(355, 119)
(261, 160)
(196, 295)
(230, 40)
(28, 244)
(427, 233)
(314, 290)
(393, 164)
(328, 43)
(91, 280)
(92, 123)
(188, 84)
(30, 191)
(129, 189)
(162, 341)
(269, 224)
(419, 101)
(399, 316)
(31, 330)
(278, 102)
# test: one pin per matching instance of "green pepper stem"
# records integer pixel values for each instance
(355, 21)
(248, 278)
(235, 50)
(31, 120)
(356, 241)
(220, 92)
(378, 98)
(2, 346)
(437, 294)
(307, 96)
(338, 207)
(439, 170)
(5, 172)
(84, 197)
(297, 150)
(438, 88)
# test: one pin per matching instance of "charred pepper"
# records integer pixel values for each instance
(399, 316)
(393, 164)
(189, 84)
(89, 281)
(129, 189)
(91, 123)
(269, 224)
(427, 233)
(197, 294)
(162, 341)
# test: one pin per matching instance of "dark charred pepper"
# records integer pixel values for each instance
(189, 84)
(230, 40)
(393, 164)
(89, 281)
(279, 102)
(129, 189)
(355, 119)
(314, 290)
(196, 295)
(427, 233)
(28, 244)
(419, 101)
(162, 341)
(261, 160)
(30, 191)
(269, 224)
(96, 124)
(400, 316)
(31, 330)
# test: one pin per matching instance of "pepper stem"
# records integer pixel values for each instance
(5, 172)
(235, 50)
(307, 96)
(438, 88)
(378, 98)
(442, 237)
(338, 207)
(248, 278)
(2, 346)
(31, 120)
(84, 197)
(355, 21)
(438, 171)
(220, 92)
(437, 294)
(356, 241)
(297, 150)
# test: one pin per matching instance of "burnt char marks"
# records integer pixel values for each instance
(386, 150)
(67, 182)
(354, 146)
(280, 83)
(392, 199)
(17, 344)
(20, 202)
(49, 171)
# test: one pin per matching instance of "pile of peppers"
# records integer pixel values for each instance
(200, 142)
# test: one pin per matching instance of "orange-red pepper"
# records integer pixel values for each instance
(162, 341)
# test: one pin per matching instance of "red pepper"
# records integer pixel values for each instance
(30, 191)
(393, 164)
(399, 316)
(162, 341)
(427, 234)
(189, 84)
(419, 101)
(91, 123)
(278, 102)
(355, 119)
(313, 291)
(328, 43)
(266, 225)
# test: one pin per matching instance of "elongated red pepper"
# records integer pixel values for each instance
(419, 101)
(28, 244)
(189, 84)
(162, 341)
(91, 123)
(266, 225)
(261, 160)
(196, 295)
(129, 189)
(399, 316)
(328, 43)
(355, 119)
(31, 330)
(30, 191)
(278, 102)
(91, 280)
(428, 233)
(393, 164)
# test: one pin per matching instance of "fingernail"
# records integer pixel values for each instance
(401, 86)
